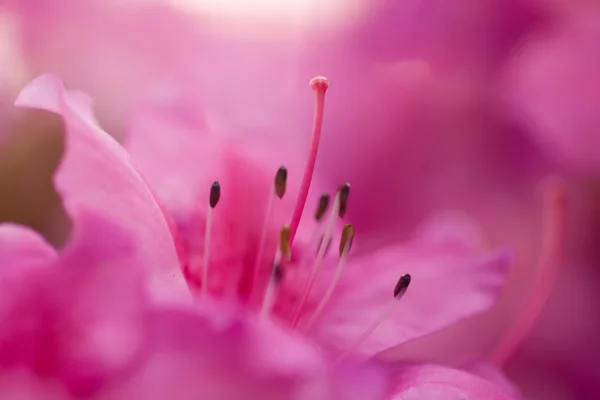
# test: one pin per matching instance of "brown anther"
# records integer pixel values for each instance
(347, 238)
(280, 181)
(215, 194)
(402, 285)
(284, 242)
(344, 192)
(322, 206)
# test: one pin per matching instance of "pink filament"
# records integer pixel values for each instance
(319, 85)
(548, 267)
(336, 279)
(317, 265)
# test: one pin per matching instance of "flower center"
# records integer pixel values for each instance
(278, 279)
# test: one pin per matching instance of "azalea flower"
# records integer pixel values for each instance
(232, 241)
(92, 321)
(122, 188)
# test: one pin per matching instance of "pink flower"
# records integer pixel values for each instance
(96, 174)
(347, 300)
(90, 321)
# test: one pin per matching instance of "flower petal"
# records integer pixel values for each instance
(181, 158)
(80, 319)
(553, 88)
(228, 356)
(22, 247)
(433, 382)
(450, 282)
(96, 173)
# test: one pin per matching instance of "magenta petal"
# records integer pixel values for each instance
(450, 281)
(96, 173)
(176, 155)
(79, 320)
(227, 356)
(554, 88)
(433, 382)
(22, 247)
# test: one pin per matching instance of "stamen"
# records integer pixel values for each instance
(280, 181)
(319, 260)
(276, 273)
(344, 193)
(213, 200)
(279, 188)
(319, 85)
(320, 212)
(284, 243)
(345, 245)
(274, 280)
(399, 292)
(322, 207)
(554, 216)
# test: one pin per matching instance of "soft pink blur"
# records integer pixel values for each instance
(432, 105)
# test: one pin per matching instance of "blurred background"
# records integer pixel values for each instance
(437, 104)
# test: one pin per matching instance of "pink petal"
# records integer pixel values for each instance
(80, 319)
(554, 88)
(23, 385)
(226, 356)
(433, 382)
(491, 373)
(22, 247)
(96, 173)
(450, 282)
(180, 158)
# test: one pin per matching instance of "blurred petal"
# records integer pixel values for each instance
(96, 173)
(22, 247)
(554, 88)
(230, 357)
(78, 320)
(433, 382)
(450, 282)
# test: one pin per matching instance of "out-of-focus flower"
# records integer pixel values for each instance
(554, 87)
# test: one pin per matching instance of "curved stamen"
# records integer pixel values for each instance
(319, 260)
(548, 267)
(213, 200)
(319, 85)
(399, 292)
(279, 188)
(345, 245)
(283, 249)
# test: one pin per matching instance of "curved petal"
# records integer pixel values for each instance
(23, 385)
(96, 173)
(181, 157)
(81, 320)
(491, 373)
(228, 356)
(450, 282)
(553, 88)
(21, 246)
(434, 382)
